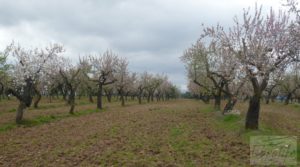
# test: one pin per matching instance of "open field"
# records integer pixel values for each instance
(174, 133)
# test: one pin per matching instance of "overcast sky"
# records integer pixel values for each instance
(152, 34)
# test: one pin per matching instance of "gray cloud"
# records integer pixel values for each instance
(152, 34)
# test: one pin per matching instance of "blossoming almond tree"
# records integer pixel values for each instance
(262, 45)
(71, 77)
(103, 68)
(122, 78)
(28, 68)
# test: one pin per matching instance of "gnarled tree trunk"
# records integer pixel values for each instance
(253, 113)
(21, 109)
(288, 98)
(230, 104)
(38, 98)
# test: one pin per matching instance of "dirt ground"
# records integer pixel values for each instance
(173, 133)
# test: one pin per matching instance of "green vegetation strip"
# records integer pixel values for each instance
(49, 106)
(45, 119)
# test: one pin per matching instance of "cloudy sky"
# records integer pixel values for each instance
(152, 34)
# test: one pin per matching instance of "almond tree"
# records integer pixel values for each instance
(130, 90)
(198, 64)
(122, 77)
(4, 67)
(125, 80)
(214, 69)
(198, 92)
(152, 83)
(28, 67)
(273, 85)
(261, 45)
(290, 82)
(109, 91)
(140, 85)
(71, 77)
(102, 72)
(86, 85)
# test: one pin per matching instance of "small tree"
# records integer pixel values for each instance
(4, 67)
(140, 85)
(102, 72)
(122, 77)
(290, 82)
(71, 77)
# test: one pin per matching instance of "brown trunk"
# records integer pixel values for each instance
(91, 98)
(229, 105)
(217, 105)
(288, 98)
(20, 111)
(99, 97)
(218, 99)
(37, 100)
(140, 99)
(123, 100)
(268, 97)
(253, 113)
(72, 109)
(71, 101)
(109, 98)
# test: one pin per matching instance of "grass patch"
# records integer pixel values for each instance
(229, 122)
(298, 151)
(39, 120)
(12, 110)
(7, 127)
(45, 119)
(296, 106)
(179, 138)
(262, 131)
(206, 109)
(88, 111)
(231, 118)
(235, 123)
(47, 107)
(114, 131)
(84, 103)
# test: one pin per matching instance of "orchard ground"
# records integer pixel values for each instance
(173, 133)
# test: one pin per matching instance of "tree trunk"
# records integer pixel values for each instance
(109, 98)
(37, 100)
(253, 113)
(229, 105)
(218, 99)
(140, 99)
(91, 98)
(217, 105)
(99, 97)
(72, 101)
(140, 95)
(288, 98)
(122, 99)
(20, 111)
(72, 108)
(268, 97)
